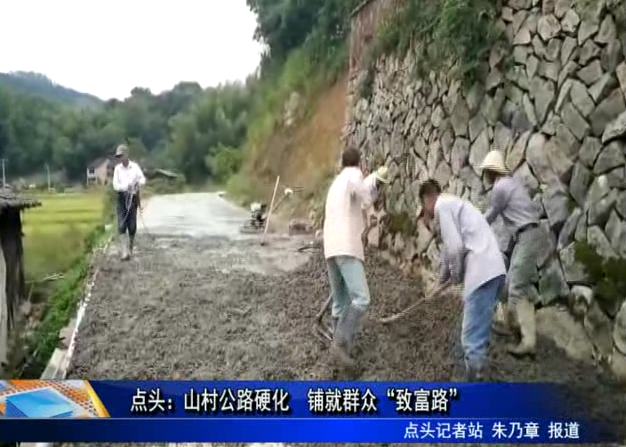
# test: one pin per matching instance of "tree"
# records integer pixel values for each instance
(177, 129)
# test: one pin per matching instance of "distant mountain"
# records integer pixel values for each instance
(37, 84)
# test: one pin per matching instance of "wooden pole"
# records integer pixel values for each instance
(269, 214)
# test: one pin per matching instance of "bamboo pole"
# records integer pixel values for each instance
(269, 214)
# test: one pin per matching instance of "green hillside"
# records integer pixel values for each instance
(39, 85)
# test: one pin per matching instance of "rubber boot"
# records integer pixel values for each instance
(528, 329)
(343, 338)
(501, 324)
(125, 255)
(474, 374)
(333, 323)
(131, 244)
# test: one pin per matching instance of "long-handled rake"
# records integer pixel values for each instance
(322, 332)
(431, 295)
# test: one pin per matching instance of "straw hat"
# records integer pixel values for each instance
(494, 161)
(382, 174)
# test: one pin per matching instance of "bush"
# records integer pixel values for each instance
(441, 33)
(607, 275)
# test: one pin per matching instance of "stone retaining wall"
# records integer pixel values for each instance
(556, 107)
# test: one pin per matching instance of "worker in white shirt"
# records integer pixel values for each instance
(347, 197)
(470, 255)
(127, 179)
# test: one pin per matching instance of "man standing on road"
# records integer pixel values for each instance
(470, 254)
(347, 197)
(127, 179)
(510, 199)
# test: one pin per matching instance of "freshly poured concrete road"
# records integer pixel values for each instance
(197, 215)
(186, 306)
(200, 301)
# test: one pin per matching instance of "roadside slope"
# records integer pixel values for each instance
(303, 153)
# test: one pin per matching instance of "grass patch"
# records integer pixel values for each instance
(58, 238)
(58, 311)
(441, 34)
(242, 188)
(55, 233)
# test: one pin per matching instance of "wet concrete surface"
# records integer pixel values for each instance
(201, 301)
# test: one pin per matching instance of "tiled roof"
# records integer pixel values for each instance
(8, 199)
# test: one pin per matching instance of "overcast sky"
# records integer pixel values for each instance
(107, 47)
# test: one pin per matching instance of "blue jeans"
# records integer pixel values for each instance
(347, 284)
(478, 310)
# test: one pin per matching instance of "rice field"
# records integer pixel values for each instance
(54, 233)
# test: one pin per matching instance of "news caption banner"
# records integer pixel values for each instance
(245, 411)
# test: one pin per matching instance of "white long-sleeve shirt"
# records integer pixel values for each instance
(343, 221)
(370, 182)
(470, 248)
(125, 176)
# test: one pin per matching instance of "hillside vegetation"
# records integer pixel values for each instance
(188, 129)
(308, 53)
(211, 134)
(39, 85)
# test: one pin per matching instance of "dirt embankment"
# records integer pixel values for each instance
(190, 308)
(303, 154)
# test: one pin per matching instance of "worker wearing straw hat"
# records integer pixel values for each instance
(347, 198)
(127, 179)
(511, 200)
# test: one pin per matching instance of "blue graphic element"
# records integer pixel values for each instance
(4, 385)
(127, 398)
(41, 403)
(328, 430)
(314, 412)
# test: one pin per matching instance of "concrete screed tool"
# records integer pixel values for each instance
(431, 295)
(325, 334)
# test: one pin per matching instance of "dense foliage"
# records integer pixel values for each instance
(200, 133)
(451, 35)
(181, 129)
(39, 85)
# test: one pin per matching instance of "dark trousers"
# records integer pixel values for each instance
(126, 208)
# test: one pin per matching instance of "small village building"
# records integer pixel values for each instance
(100, 171)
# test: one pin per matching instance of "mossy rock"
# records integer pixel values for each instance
(402, 223)
(606, 275)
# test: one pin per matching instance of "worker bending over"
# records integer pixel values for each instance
(347, 197)
(510, 199)
(470, 254)
(127, 179)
